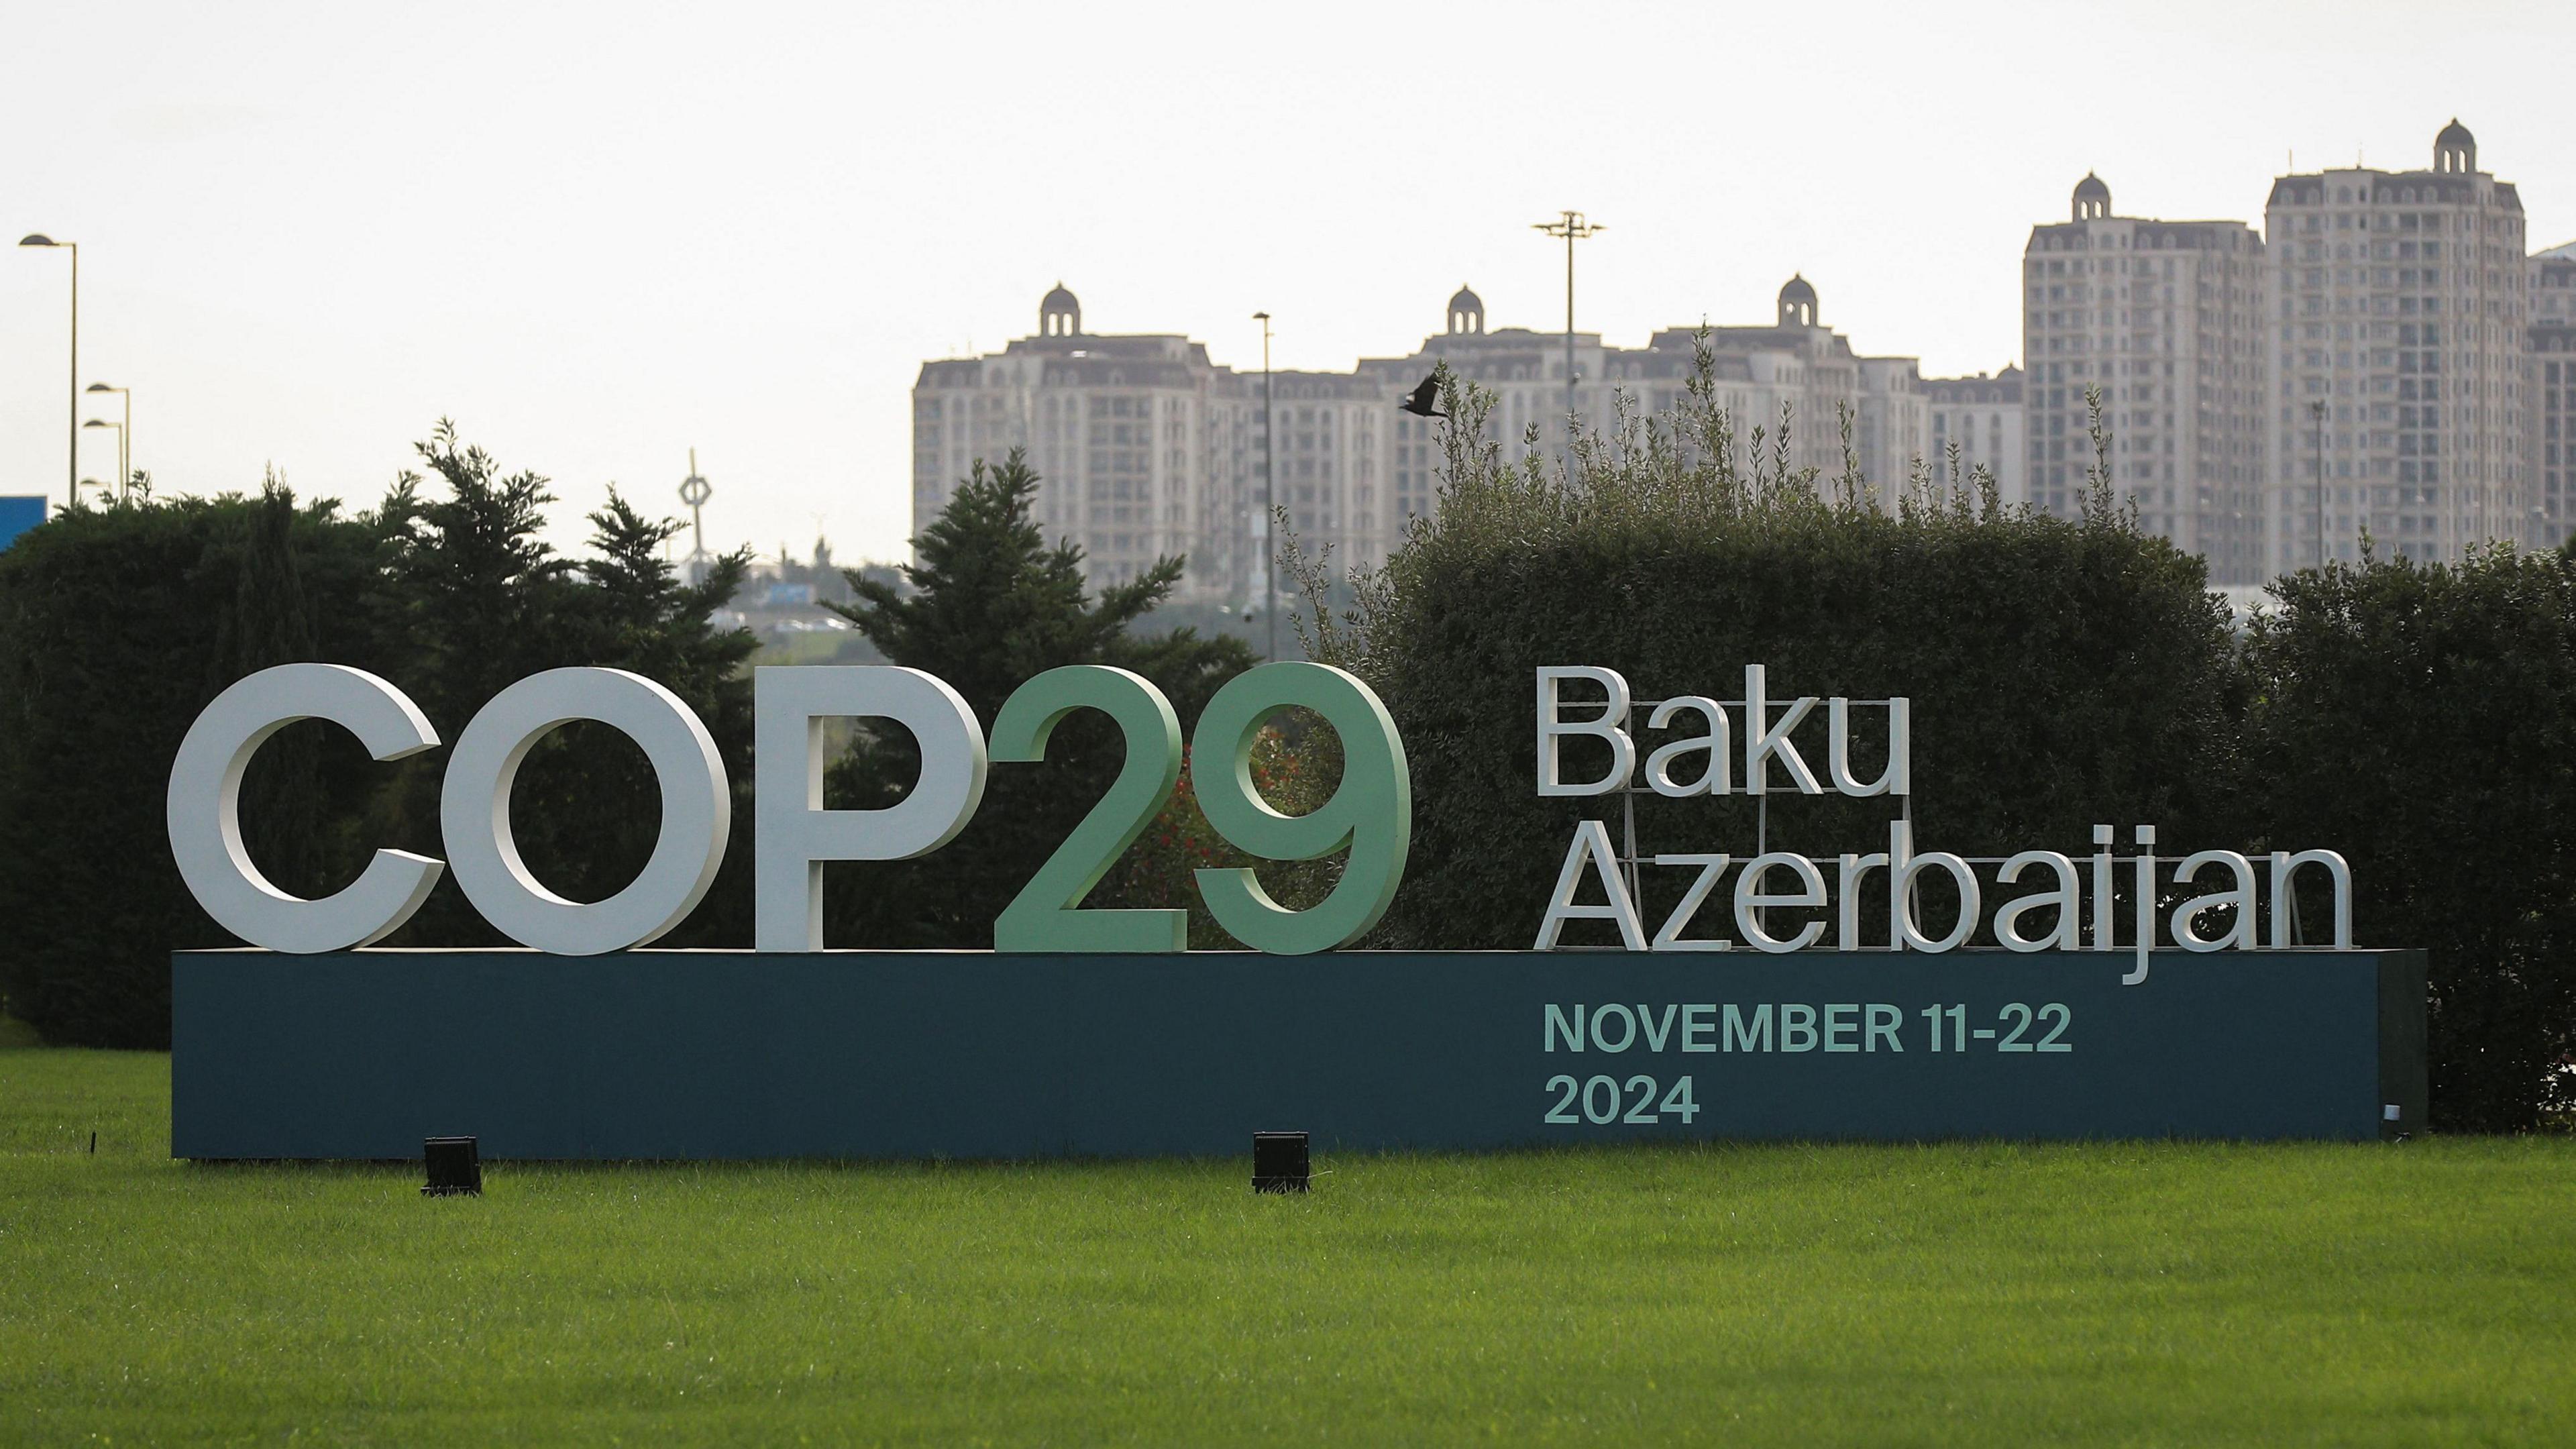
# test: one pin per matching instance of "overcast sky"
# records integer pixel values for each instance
(598, 236)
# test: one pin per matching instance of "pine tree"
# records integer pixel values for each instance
(991, 605)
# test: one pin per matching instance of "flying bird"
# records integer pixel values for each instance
(1420, 404)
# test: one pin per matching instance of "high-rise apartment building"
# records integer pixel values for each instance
(2549, 386)
(2399, 356)
(2164, 318)
(1145, 448)
(1796, 364)
(1982, 417)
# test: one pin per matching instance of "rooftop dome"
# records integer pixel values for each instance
(2092, 198)
(2455, 151)
(1466, 312)
(1060, 314)
(1798, 303)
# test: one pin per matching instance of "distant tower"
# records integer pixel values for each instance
(2455, 151)
(2092, 199)
(695, 491)
(1798, 303)
(1060, 315)
(1466, 314)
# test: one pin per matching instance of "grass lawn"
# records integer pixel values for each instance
(1978, 1294)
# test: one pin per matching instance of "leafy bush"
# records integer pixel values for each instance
(118, 625)
(2061, 673)
(2421, 719)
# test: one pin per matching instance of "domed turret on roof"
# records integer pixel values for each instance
(1060, 315)
(2092, 199)
(1798, 303)
(1466, 313)
(2455, 151)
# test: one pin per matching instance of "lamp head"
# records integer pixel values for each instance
(36, 239)
(101, 387)
(98, 423)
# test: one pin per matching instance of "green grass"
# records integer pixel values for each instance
(1978, 1294)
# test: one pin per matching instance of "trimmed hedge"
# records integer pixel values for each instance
(118, 625)
(2061, 673)
(2419, 719)
(2422, 720)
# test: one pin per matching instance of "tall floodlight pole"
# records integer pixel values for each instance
(1269, 505)
(2317, 410)
(1571, 226)
(124, 438)
(71, 441)
(695, 491)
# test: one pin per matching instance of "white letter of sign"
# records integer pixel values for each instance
(1611, 727)
(1763, 739)
(1591, 851)
(204, 809)
(794, 834)
(1898, 777)
(1712, 743)
(474, 811)
(2239, 936)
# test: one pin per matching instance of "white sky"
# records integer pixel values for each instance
(600, 235)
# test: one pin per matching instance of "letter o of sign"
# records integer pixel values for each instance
(474, 811)
(204, 809)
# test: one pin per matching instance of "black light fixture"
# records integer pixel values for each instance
(454, 1165)
(1279, 1162)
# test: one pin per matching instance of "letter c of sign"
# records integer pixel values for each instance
(204, 809)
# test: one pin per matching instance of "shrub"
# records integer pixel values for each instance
(2421, 719)
(2061, 673)
(118, 625)
(994, 605)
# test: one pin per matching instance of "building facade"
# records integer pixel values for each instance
(2549, 383)
(2399, 360)
(2165, 319)
(1145, 448)
(1981, 417)
(1142, 446)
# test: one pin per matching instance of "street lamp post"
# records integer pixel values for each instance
(2317, 410)
(1571, 226)
(71, 443)
(120, 446)
(1269, 504)
(124, 439)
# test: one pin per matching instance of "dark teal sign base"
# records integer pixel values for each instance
(715, 1054)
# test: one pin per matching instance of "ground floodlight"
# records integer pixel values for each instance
(454, 1165)
(1279, 1162)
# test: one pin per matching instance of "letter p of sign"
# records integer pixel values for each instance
(794, 834)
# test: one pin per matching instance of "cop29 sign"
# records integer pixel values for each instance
(1369, 815)
(1842, 1013)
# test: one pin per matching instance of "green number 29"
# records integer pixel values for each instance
(1371, 813)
